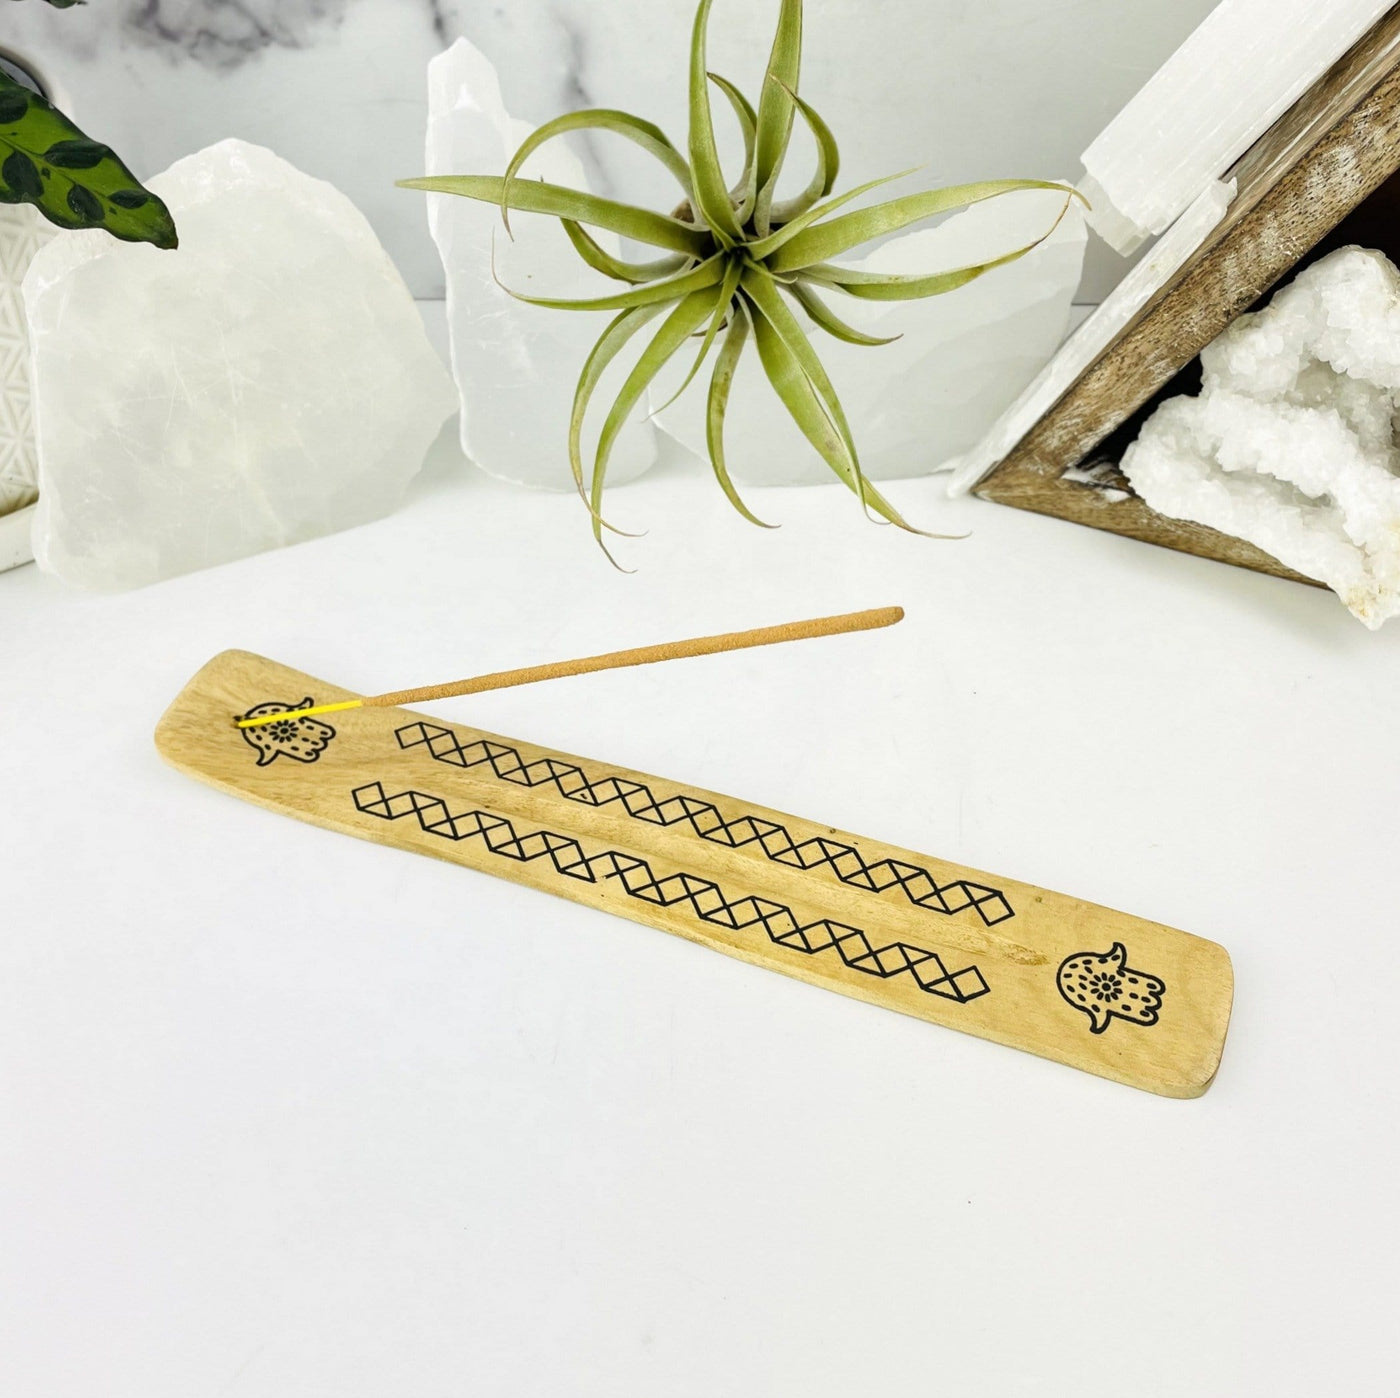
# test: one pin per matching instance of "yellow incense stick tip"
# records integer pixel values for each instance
(282, 714)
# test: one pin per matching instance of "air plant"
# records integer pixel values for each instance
(739, 262)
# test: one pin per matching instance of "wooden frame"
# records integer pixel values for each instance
(1315, 166)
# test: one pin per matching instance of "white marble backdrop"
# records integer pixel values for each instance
(970, 88)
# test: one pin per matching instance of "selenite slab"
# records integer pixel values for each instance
(267, 382)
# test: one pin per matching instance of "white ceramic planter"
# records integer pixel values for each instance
(23, 231)
(16, 545)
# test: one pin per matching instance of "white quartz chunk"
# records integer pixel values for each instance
(1246, 64)
(516, 365)
(917, 404)
(1292, 443)
(267, 382)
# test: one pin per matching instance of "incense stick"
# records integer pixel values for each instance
(1128, 999)
(612, 660)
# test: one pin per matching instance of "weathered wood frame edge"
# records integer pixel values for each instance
(1317, 163)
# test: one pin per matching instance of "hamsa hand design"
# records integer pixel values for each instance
(1105, 987)
(302, 739)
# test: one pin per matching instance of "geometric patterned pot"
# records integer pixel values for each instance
(23, 231)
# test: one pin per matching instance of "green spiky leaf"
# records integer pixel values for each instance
(711, 190)
(767, 301)
(721, 382)
(824, 316)
(883, 286)
(743, 111)
(601, 260)
(723, 308)
(688, 316)
(745, 191)
(610, 344)
(828, 165)
(650, 138)
(804, 405)
(737, 257)
(709, 273)
(538, 197)
(892, 286)
(72, 180)
(775, 107)
(764, 248)
(830, 239)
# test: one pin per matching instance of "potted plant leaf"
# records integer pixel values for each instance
(54, 177)
(740, 262)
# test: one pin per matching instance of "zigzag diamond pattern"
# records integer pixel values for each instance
(637, 799)
(705, 898)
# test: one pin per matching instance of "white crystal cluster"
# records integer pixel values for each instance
(267, 382)
(1292, 443)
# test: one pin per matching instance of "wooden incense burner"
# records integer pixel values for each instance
(1114, 995)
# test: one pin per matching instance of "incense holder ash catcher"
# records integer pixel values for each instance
(1117, 996)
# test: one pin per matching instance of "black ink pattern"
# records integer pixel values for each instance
(704, 898)
(706, 820)
(1105, 987)
(302, 739)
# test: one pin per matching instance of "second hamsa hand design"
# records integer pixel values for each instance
(1105, 987)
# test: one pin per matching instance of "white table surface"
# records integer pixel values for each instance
(285, 1114)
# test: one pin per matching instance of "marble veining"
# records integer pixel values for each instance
(225, 33)
(216, 34)
(997, 87)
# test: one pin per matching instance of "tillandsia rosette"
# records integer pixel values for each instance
(75, 182)
(740, 263)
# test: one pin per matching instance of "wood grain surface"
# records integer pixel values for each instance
(1127, 999)
(1337, 145)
